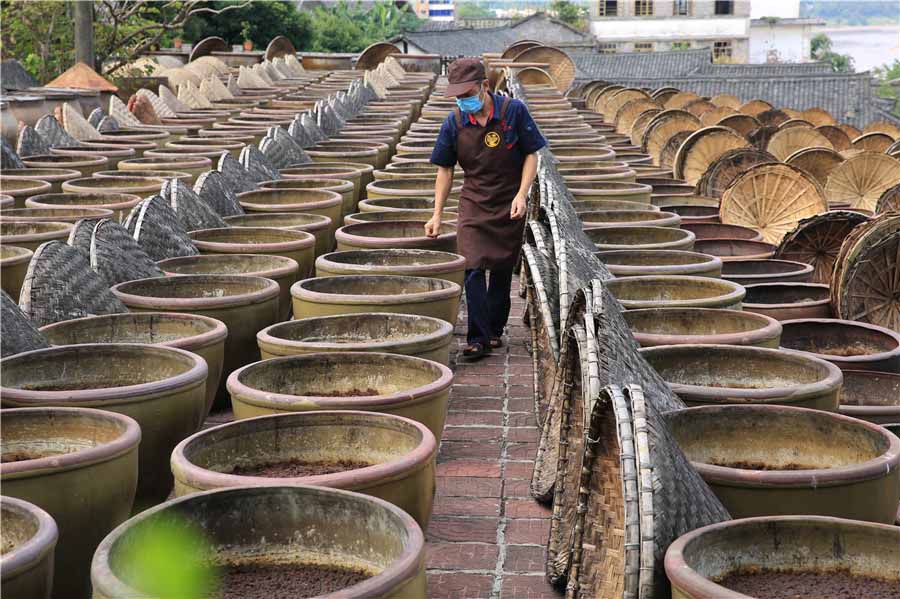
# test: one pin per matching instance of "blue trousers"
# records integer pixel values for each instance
(488, 305)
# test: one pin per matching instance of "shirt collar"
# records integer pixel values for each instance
(495, 113)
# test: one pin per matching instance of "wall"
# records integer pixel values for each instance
(791, 42)
(783, 9)
(672, 28)
(548, 32)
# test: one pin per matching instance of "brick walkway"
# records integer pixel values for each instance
(487, 536)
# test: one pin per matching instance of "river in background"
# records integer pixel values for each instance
(870, 47)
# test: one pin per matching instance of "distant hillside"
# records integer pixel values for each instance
(858, 12)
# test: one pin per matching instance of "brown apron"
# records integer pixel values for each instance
(485, 234)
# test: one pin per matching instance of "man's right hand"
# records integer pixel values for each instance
(433, 226)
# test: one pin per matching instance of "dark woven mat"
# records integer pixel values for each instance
(14, 77)
(300, 133)
(155, 226)
(30, 143)
(212, 189)
(17, 333)
(675, 499)
(117, 256)
(192, 212)
(61, 285)
(281, 149)
(315, 133)
(258, 165)
(54, 133)
(81, 234)
(9, 158)
(328, 120)
(543, 322)
(234, 175)
(108, 123)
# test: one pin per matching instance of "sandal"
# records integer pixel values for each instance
(475, 351)
(496, 342)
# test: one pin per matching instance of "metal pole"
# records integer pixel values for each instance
(83, 16)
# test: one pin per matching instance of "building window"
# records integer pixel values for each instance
(609, 8)
(440, 12)
(722, 50)
(643, 8)
(643, 47)
(682, 45)
(608, 48)
(724, 7)
(682, 8)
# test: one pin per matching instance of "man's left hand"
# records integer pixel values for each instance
(519, 206)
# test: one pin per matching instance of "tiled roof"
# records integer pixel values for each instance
(849, 97)
(640, 65)
(462, 42)
(775, 69)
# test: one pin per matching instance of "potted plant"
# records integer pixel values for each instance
(245, 33)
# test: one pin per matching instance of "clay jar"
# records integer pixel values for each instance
(392, 458)
(185, 178)
(777, 460)
(374, 382)
(93, 451)
(680, 326)
(635, 218)
(407, 262)
(664, 291)
(30, 235)
(291, 526)
(59, 215)
(720, 231)
(789, 301)
(309, 201)
(245, 304)
(53, 176)
(193, 165)
(751, 272)
(640, 238)
(871, 396)
(395, 234)
(403, 204)
(728, 374)
(29, 540)
(316, 224)
(201, 335)
(142, 186)
(342, 187)
(281, 269)
(21, 189)
(329, 296)
(849, 345)
(610, 190)
(318, 172)
(113, 154)
(735, 249)
(421, 216)
(120, 203)
(13, 266)
(86, 165)
(632, 263)
(162, 388)
(802, 544)
(406, 334)
(416, 188)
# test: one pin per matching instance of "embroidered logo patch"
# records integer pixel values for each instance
(492, 139)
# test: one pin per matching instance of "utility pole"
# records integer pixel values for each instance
(83, 15)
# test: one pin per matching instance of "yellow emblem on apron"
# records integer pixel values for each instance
(492, 139)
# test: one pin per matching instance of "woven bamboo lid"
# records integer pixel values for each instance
(560, 66)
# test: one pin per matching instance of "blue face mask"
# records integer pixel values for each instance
(472, 104)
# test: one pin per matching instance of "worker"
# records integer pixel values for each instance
(495, 140)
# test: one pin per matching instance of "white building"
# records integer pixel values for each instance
(435, 10)
(659, 25)
(778, 34)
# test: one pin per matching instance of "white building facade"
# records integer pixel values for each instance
(778, 34)
(660, 25)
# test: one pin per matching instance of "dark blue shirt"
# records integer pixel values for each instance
(522, 131)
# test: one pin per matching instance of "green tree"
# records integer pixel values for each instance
(39, 35)
(820, 48)
(264, 21)
(886, 74)
(569, 13)
(473, 10)
(348, 27)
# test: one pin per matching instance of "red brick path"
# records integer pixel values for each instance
(487, 537)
